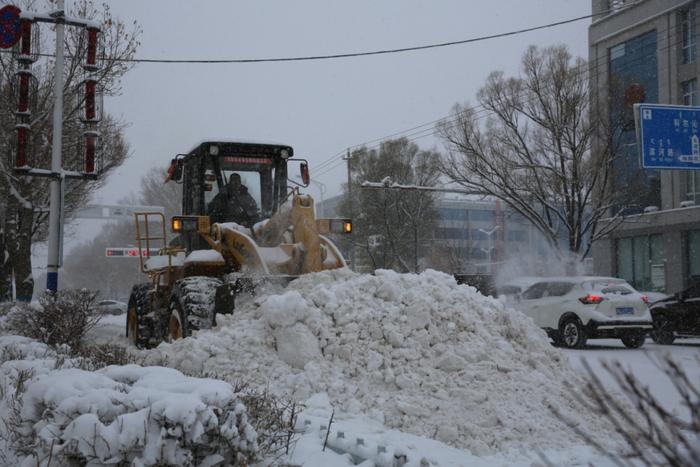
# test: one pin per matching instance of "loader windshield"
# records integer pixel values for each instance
(250, 180)
(239, 188)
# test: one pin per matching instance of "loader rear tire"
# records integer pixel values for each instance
(192, 306)
(140, 323)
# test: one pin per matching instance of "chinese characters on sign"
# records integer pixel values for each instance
(669, 136)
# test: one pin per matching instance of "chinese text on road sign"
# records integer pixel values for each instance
(669, 136)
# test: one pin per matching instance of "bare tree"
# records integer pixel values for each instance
(532, 150)
(23, 213)
(453, 255)
(391, 226)
(654, 434)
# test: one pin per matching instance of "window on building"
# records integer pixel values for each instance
(633, 64)
(692, 184)
(689, 96)
(693, 256)
(448, 233)
(689, 91)
(481, 215)
(515, 235)
(641, 262)
(453, 214)
(688, 39)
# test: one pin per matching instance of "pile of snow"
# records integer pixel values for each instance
(417, 353)
(119, 414)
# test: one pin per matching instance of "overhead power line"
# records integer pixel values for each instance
(428, 129)
(365, 53)
(371, 52)
(384, 51)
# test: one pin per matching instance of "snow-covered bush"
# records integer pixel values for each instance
(131, 415)
(101, 355)
(274, 421)
(54, 412)
(57, 319)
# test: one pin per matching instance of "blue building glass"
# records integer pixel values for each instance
(633, 66)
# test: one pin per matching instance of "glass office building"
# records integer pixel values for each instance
(633, 69)
(646, 52)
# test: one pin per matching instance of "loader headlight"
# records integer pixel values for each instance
(335, 226)
(185, 223)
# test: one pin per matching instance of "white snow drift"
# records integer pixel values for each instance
(119, 414)
(418, 353)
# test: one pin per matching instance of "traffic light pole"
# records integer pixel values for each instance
(22, 26)
(55, 218)
(352, 213)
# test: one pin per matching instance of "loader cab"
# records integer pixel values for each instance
(205, 171)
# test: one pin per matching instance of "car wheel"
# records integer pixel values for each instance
(663, 333)
(571, 334)
(634, 341)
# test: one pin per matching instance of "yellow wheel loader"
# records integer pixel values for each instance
(243, 220)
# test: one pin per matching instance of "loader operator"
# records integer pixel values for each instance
(234, 204)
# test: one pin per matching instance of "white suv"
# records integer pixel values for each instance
(574, 309)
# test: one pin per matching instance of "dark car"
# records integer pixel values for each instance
(677, 316)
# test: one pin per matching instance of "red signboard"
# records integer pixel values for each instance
(130, 252)
(248, 160)
(10, 27)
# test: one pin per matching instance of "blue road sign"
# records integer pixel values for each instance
(669, 136)
(9, 26)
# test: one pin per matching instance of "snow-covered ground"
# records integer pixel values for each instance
(411, 368)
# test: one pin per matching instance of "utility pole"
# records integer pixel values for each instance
(55, 220)
(348, 158)
(91, 116)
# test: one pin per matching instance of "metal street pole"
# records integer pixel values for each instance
(56, 146)
(352, 214)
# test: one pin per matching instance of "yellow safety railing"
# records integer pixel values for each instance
(143, 234)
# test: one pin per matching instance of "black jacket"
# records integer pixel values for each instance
(235, 206)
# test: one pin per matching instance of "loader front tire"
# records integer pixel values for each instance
(177, 322)
(192, 306)
(140, 324)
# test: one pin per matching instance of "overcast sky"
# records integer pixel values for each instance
(320, 107)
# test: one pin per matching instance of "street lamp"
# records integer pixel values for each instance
(489, 250)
